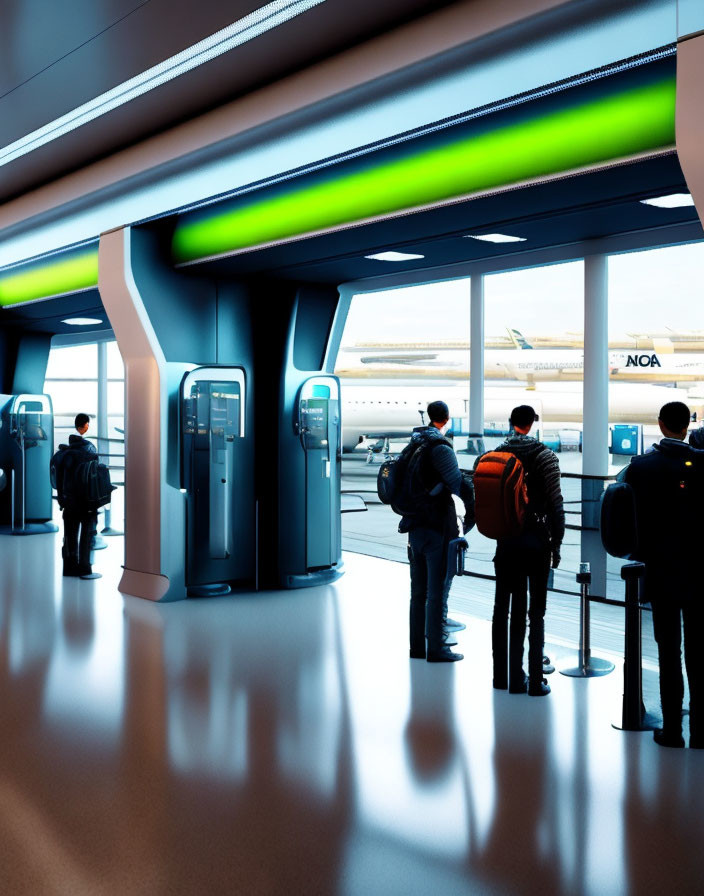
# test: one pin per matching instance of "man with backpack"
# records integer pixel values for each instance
(519, 503)
(668, 487)
(431, 477)
(79, 513)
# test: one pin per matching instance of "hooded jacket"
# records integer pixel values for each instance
(65, 461)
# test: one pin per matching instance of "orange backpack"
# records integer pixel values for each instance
(500, 494)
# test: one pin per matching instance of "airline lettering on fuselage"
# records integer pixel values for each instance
(643, 361)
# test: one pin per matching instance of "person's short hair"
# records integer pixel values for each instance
(675, 415)
(81, 420)
(522, 416)
(438, 412)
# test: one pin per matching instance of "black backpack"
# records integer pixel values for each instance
(91, 481)
(402, 483)
(618, 525)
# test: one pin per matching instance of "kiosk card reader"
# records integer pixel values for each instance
(320, 434)
(26, 448)
(215, 479)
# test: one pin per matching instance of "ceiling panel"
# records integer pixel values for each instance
(50, 67)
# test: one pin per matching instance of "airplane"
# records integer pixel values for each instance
(522, 363)
(373, 414)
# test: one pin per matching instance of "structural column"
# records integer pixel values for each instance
(476, 358)
(595, 445)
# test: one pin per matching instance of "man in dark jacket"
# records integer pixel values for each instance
(668, 484)
(79, 516)
(431, 527)
(524, 560)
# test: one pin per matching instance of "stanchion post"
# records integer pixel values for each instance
(633, 714)
(587, 665)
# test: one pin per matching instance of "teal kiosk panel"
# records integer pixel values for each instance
(26, 448)
(216, 477)
(319, 430)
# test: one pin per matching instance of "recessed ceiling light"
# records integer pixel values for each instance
(245, 29)
(394, 256)
(82, 321)
(495, 238)
(673, 200)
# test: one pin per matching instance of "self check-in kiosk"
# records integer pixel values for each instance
(216, 479)
(318, 427)
(26, 448)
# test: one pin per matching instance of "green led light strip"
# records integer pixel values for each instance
(623, 124)
(54, 277)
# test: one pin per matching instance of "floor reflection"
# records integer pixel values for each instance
(277, 743)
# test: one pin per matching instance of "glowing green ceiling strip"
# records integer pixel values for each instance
(54, 277)
(622, 124)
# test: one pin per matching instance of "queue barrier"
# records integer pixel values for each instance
(633, 713)
(588, 666)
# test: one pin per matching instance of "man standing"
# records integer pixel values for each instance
(80, 519)
(431, 526)
(525, 559)
(668, 485)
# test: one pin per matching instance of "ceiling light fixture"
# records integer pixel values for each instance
(495, 238)
(394, 256)
(82, 321)
(672, 200)
(245, 29)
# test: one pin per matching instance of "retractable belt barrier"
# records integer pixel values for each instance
(633, 715)
(588, 666)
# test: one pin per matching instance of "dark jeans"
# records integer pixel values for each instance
(76, 551)
(430, 586)
(674, 604)
(520, 563)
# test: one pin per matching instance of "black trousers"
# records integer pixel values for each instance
(430, 586)
(520, 563)
(675, 607)
(79, 530)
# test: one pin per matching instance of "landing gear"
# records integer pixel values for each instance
(382, 447)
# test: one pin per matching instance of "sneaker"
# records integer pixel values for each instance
(445, 656)
(542, 689)
(454, 626)
(668, 739)
(548, 667)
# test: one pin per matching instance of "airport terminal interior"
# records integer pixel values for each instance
(252, 244)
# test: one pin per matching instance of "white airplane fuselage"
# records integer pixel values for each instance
(373, 411)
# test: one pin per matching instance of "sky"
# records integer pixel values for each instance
(649, 291)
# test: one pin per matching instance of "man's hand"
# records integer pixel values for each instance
(555, 558)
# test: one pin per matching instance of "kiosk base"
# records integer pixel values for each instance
(315, 577)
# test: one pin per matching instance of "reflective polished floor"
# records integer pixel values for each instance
(284, 743)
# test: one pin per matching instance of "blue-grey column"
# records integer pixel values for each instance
(476, 354)
(595, 437)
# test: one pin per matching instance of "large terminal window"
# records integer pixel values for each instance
(401, 349)
(534, 354)
(656, 342)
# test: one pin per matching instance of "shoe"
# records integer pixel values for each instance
(548, 667)
(445, 656)
(70, 570)
(447, 640)
(667, 739)
(520, 686)
(453, 625)
(417, 654)
(542, 689)
(500, 684)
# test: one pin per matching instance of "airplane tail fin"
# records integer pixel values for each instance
(517, 338)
